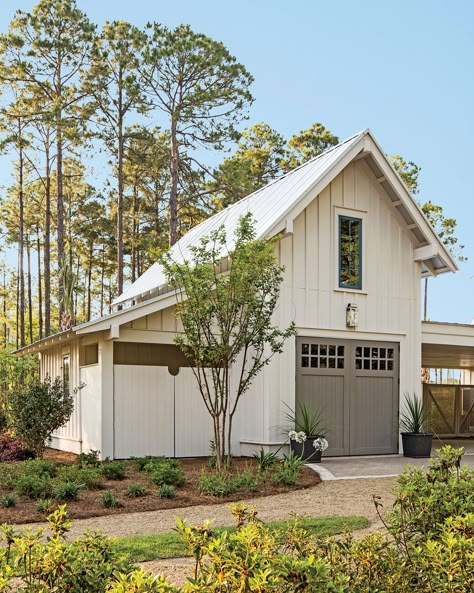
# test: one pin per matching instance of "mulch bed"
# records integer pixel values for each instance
(88, 503)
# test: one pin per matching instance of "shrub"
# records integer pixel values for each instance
(166, 473)
(87, 475)
(113, 470)
(33, 486)
(145, 463)
(426, 500)
(67, 490)
(265, 460)
(218, 483)
(45, 505)
(287, 471)
(108, 499)
(39, 410)
(7, 501)
(13, 449)
(88, 564)
(136, 490)
(86, 460)
(166, 491)
(247, 480)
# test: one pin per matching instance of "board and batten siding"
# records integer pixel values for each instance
(67, 438)
(388, 304)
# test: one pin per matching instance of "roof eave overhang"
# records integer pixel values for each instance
(45, 343)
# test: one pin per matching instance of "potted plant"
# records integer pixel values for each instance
(307, 440)
(416, 438)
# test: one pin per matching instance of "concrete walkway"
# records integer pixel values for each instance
(383, 466)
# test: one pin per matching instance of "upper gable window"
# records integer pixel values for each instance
(350, 252)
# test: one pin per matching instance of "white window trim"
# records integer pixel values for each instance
(362, 215)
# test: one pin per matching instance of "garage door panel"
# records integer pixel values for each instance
(194, 428)
(326, 394)
(143, 411)
(371, 416)
(355, 385)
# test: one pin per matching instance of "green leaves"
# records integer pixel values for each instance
(227, 296)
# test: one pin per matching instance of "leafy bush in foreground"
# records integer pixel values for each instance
(39, 410)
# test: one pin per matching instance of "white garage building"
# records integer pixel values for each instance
(135, 393)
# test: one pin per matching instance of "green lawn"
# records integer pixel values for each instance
(141, 548)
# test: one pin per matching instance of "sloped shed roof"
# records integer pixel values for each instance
(272, 203)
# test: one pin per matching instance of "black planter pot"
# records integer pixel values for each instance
(417, 444)
(306, 450)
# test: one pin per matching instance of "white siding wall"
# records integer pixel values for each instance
(389, 302)
(67, 438)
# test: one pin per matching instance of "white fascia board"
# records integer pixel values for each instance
(410, 204)
(314, 190)
(125, 315)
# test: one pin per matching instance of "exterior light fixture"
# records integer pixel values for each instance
(352, 315)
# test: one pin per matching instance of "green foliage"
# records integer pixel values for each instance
(39, 410)
(139, 581)
(305, 419)
(88, 475)
(426, 500)
(15, 373)
(228, 318)
(7, 501)
(307, 145)
(166, 491)
(90, 459)
(33, 486)
(108, 499)
(113, 470)
(67, 490)
(145, 463)
(45, 505)
(265, 460)
(288, 470)
(165, 471)
(414, 418)
(218, 483)
(136, 490)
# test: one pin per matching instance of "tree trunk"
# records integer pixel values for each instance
(40, 288)
(21, 243)
(30, 299)
(60, 216)
(174, 169)
(89, 281)
(5, 334)
(120, 186)
(134, 234)
(47, 247)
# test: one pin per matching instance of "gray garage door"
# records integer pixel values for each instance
(355, 384)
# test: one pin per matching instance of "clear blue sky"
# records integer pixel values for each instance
(403, 69)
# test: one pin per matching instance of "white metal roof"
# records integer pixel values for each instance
(268, 205)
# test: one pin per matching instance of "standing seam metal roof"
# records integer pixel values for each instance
(268, 205)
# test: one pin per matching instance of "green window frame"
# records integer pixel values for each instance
(350, 252)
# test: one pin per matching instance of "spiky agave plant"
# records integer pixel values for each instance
(414, 418)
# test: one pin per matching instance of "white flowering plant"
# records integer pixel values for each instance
(320, 444)
(299, 437)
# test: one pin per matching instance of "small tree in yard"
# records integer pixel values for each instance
(39, 410)
(225, 301)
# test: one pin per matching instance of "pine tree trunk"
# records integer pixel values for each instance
(60, 216)
(21, 222)
(40, 288)
(47, 247)
(5, 333)
(174, 170)
(120, 188)
(30, 298)
(89, 282)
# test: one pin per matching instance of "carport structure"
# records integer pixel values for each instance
(448, 387)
